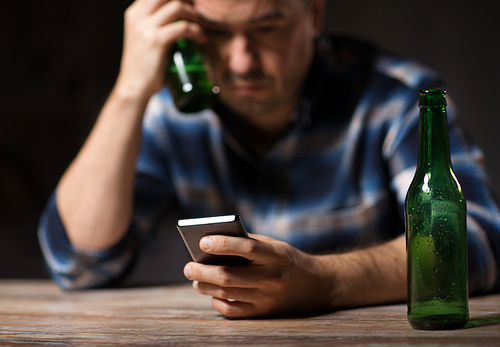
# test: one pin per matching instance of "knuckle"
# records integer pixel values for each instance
(150, 36)
(250, 246)
(276, 282)
(194, 272)
(283, 251)
(183, 25)
(129, 11)
(176, 5)
(225, 245)
(228, 310)
(224, 293)
(225, 278)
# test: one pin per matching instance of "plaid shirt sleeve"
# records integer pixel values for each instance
(72, 268)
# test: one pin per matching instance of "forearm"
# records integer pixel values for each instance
(95, 195)
(371, 276)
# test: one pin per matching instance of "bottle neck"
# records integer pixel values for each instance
(434, 148)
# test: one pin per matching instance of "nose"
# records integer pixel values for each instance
(242, 57)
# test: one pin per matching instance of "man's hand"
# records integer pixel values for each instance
(280, 279)
(151, 27)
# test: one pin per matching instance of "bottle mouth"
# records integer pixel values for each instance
(432, 97)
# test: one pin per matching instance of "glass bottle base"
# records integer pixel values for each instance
(438, 322)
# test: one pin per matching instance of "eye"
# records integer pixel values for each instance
(266, 29)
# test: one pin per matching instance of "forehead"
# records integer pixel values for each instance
(241, 11)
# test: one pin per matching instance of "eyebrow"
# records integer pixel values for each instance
(268, 16)
(265, 17)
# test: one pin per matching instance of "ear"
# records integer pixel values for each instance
(318, 13)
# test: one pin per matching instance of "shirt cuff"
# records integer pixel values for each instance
(74, 268)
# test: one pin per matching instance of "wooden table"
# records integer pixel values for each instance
(37, 312)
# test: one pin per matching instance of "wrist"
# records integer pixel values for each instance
(335, 281)
(326, 291)
(132, 90)
(371, 276)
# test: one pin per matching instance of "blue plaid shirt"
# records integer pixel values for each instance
(336, 180)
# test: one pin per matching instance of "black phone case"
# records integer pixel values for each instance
(192, 235)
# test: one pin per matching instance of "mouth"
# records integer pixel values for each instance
(248, 88)
(247, 85)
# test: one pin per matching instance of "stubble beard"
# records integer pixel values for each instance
(251, 107)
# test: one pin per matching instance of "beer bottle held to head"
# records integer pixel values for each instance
(436, 231)
(187, 77)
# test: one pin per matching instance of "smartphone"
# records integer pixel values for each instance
(192, 230)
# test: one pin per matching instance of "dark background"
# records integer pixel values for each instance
(59, 59)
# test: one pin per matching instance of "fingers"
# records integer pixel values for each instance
(234, 309)
(223, 276)
(257, 251)
(231, 302)
(239, 302)
(184, 29)
(174, 11)
(262, 237)
(225, 293)
(147, 6)
(171, 19)
(162, 12)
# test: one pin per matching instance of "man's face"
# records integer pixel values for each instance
(260, 51)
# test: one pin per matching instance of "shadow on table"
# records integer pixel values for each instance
(483, 321)
(305, 315)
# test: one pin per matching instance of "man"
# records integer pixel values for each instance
(313, 142)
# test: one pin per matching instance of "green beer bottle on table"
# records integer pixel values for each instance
(436, 231)
(187, 77)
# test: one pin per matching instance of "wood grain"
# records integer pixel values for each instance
(37, 312)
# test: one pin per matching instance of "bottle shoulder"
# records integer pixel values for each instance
(435, 187)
